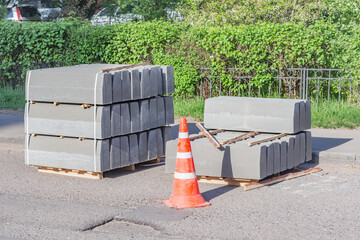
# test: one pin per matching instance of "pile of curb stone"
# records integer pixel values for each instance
(242, 159)
(80, 118)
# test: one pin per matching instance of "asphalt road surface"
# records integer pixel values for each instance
(127, 205)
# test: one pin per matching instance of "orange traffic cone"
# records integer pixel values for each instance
(186, 192)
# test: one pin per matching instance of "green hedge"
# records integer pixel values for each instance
(186, 47)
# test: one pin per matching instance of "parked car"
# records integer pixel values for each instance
(50, 14)
(115, 14)
(174, 15)
(23, 13)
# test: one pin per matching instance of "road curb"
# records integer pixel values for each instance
(336, 158)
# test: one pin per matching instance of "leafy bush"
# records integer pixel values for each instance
(23, 44)
(254, 48)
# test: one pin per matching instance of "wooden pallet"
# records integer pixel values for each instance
(70, 172)
(249, 184)
(87, 174)
(225, 181)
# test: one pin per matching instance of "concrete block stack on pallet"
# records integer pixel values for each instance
(83, 119)
(238, 116)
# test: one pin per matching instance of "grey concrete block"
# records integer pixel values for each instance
(125, 85)
(167, 136)
(252, 114)
(335, 158)
(307, 114)
(116, 87)
(135, 84)
(153, 113)
(115, 120)
(277, 157)
(152, 144)
(73, 84)
(154, 90)
(169, 110)
(145, 83)
(168, 80)
(157, 70)
(69, 120)
(297, 150)
(143, 146)
(170, 159)
(134, 149)
(235, 160)
(270, 160)
(160, 143)
(160, 111)
(296, 118)
(68, 153)
(124, 151)
(283, 157)
(290, 153)
(357, 159)
(302, 147)
(115, 153)
(308, 146)
(125, 119)
(134, 117)
(302, 116)
(144, 115)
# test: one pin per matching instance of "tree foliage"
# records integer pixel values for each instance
(253, 48)
(83, 9)
(236, 12)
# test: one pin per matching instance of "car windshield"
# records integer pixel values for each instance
(29, 11)
(125, 9)
(116, 10)
(108, 11)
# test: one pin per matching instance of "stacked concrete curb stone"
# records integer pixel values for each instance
(239, 115)
(82, 119)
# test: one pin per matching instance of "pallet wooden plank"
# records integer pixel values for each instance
(213, 132)
(280, 178)
(157, 160)
(71, 173)
(87, 174)
(208, 135)
(224, 181)
(240, 138)
(129, 168)
(267, 139)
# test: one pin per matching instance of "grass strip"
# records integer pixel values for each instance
(193, 108)
(12, 98)
(332, 115)
(324, 115)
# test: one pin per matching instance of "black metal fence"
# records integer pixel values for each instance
(302, 83)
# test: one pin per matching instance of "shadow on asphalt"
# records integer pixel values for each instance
(322, 143)
(138, 168)
(213, 193)
(8, 120)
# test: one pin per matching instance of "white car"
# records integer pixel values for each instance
(50, 14)
(23, 13)
(114, 14)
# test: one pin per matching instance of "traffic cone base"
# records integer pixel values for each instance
(186, 202)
